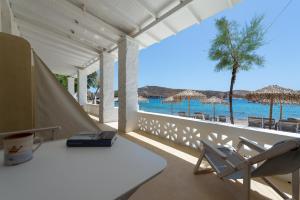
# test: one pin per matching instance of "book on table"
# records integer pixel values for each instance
(92, 139)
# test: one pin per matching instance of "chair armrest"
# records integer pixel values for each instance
(211, 147)
(273, 152)
(250, 144)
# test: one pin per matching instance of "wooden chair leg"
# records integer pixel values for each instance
(246, 184)
(295, 185)
(196, 169)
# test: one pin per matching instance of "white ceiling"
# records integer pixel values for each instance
(68, 34)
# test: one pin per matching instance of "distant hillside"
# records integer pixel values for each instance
(157, 91)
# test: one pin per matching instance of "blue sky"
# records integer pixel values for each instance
(181, 61)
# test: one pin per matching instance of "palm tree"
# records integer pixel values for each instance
(235, 49)
(93, 82)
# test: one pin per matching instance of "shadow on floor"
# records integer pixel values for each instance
(178, 182)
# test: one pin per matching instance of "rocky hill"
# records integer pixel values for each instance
(157, 91)
(163, 92)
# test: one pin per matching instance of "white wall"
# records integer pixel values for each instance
(189, 132)
(94, 110)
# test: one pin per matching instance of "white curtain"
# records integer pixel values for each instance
(55, 105)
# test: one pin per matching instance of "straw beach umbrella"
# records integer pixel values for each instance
(189, 94)
(214, 100)
(170, 100)
(274, 94)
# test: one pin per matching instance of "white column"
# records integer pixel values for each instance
(106, 106)
(82, 87)
(71, 85)
(128, 84)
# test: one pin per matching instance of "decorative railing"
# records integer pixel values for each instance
(189, 132)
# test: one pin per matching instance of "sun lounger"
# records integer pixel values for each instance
(255, 122)
(294, 120)
(288, 126)
(199, 115)
(222, 118)
(182, 114)
(206, 117)
(282, 158)
(266, 122)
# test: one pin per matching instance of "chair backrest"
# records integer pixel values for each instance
(293, 120)
(255, 122)
(199, 115)
(266, 120)
(222, 118)
(288, 126)
(282, 163)
(206, 116)
(181, 114)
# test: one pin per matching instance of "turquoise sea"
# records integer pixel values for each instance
(242, 108)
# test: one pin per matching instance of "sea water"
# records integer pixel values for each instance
(241, 107)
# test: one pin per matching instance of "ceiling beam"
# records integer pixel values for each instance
(102, 35)
(65, 21)
(194, 14)
(164, 16)
(181, 5)
(154, 16)
(55, 31)
(230, 3)
(57, 53)
(34, 37)
(52, 36)
(77, 11)
(52, 21)
(128, 20)
(154, 37)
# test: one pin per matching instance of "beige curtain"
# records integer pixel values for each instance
(55, 106)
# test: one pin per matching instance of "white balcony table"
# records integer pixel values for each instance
(57, 172)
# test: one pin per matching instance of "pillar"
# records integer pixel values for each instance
(82, 87)
(106, 106)
(71, 85)
(128, 84)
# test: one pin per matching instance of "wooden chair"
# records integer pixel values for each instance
(282, 158)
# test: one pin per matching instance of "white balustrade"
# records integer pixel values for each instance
(189, 132)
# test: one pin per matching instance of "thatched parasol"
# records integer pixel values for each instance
(214, 100)
(189, 94)
(170, 100)
(274, 94)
